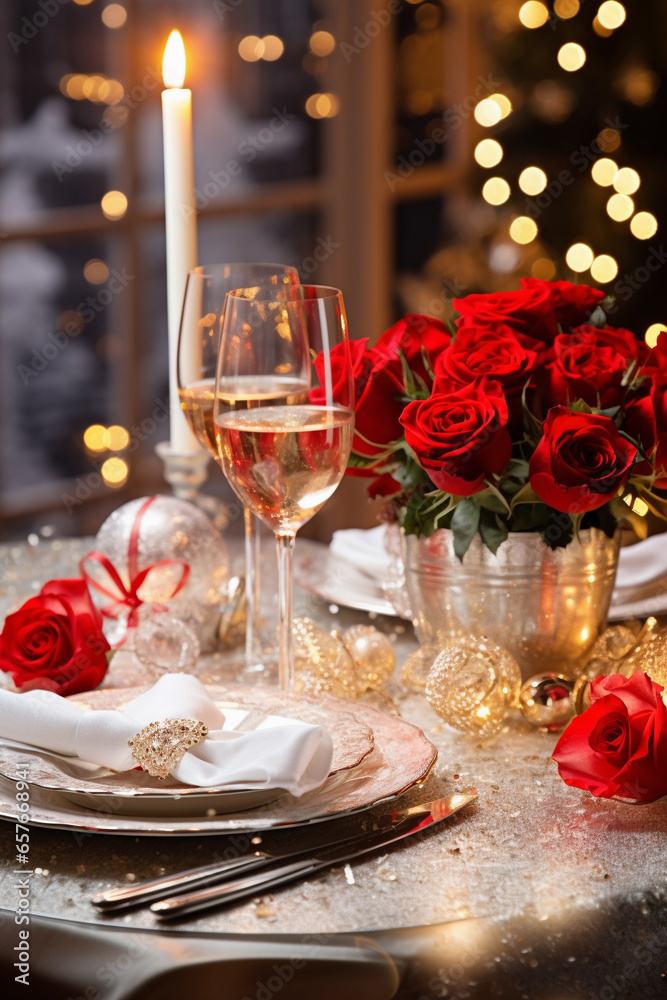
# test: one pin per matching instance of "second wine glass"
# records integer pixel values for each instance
(284, 459)
(198, 344)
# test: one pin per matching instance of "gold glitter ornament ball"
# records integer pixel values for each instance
(472, 685)
(373, 655)
(610, 647)
(418, 666)
(651, 657)
(546, 701)
(322, 664)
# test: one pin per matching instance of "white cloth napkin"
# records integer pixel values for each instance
(638, 564)
(280, 753)
(363, 548)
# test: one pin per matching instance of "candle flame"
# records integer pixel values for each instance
(173, 62)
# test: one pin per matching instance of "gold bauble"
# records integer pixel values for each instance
(614, 643)
(373, 655)
(322, 665)
(651, 657)
(472, 684)
(546, 701)
(416, 668)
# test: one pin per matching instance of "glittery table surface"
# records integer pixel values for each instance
(531, 853)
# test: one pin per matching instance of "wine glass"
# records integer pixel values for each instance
(198, 343)
(285, 458)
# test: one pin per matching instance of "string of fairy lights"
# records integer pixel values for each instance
(624, 181)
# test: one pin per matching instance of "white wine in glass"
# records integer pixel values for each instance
(199, 340)
(285, 460)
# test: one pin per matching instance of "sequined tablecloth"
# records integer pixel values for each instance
(536, 891)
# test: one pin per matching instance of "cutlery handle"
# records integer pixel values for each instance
(143, 892)
(235, 889)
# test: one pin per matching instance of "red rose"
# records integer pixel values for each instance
(55, 641)
(573, 304)
(590, 364)
(618, 746)
(529, 311)
(494, 352)
(580, 462)
(459, 434)
(412, 335)
(348, 358)
(378, 405)
(646, 422)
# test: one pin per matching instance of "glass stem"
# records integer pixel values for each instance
(251, 590)
(285, 544)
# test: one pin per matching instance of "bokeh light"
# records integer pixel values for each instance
(627, 181)
(532, 180)
(114, 15)
(95, 271)
(251, 48)
(533, 14)
(620, 207)
(322, 43)
(118, 438)
(322, 106)
(273, 48)
(604, 268)
(608, 140)
(488, 112)
(643, 225)
(571, 56)
(114, 472)
(488, 153)
(604, 171)
(579, 257)
(653, 332)
(496, 191)
(543, 268)
(503, 103)
(611, 14)
(114, 204)
(566, 9)
(523, 229)
(96, 438)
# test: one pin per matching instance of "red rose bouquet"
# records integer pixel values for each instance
(528, 413)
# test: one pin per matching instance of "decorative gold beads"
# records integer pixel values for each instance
(341, 665)
(373, 655)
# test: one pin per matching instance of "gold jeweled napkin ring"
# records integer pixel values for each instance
(159, 746)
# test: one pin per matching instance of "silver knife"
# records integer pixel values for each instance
(405, 823)
(158, 888)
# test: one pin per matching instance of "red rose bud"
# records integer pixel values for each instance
(580, 462)
(573, 304)
(618, 746)
(459, 435)
(55, 641)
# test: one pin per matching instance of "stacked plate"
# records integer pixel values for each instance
(376, 757)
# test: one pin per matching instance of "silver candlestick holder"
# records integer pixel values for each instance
(186, 472)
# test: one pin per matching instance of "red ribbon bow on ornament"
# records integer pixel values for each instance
(124, 597)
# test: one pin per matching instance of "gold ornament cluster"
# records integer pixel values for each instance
(345, 666)
(472, 683)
